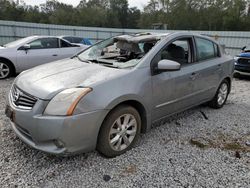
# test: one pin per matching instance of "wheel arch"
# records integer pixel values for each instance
(142, 110)
(11, 63)
(229, 80)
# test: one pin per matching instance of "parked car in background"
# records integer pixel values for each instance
(77, 40)
(29, 52)
(242, 62)
(104, 97)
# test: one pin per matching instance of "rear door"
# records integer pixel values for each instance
(209, 68)
(67, 49)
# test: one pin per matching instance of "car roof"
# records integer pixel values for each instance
(147, 37)
(62, 36)
(141, 37)
(41, 36)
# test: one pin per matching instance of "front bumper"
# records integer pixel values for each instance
(241, 73)
(242, 69)
(60, 135)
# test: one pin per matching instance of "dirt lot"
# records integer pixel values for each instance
(201, 147)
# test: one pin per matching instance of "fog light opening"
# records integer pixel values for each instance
(59, 143)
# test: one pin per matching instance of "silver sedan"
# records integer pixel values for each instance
(104, 97)
(29, 52)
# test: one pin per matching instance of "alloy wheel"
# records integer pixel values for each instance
(4, 70)
(222, 95)
(123, 132)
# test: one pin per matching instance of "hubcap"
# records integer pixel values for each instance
(4, 70)
(222, 95)
(122, 132)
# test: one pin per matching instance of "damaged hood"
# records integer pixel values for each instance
(46, 81)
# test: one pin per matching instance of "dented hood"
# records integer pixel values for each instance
(47, 80)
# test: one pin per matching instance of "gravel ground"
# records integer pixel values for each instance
(201, 147)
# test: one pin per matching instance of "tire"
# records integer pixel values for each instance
(6, 69)
(115, 121)
(236, 75)
(221, 95)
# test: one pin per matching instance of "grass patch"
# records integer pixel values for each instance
(233, 146)
(223, 142)
(198, 143)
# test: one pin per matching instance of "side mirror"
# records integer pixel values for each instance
(243, 49)
(168, 65)
(26, 47)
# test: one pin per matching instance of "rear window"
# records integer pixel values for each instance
(68, 39)
(64, 44)
(77, 40)
(206, 49)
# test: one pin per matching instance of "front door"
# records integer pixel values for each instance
(43, 50)
(173, 91)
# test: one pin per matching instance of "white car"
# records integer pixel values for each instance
(77, 40)
(29, 52)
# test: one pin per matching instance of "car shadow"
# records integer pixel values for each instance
(242, 77)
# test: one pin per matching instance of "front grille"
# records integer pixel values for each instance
(242, 68)
(21, 99)
(244, 61)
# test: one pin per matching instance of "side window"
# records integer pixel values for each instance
(206, 49)
(68, 39)
(65, 44)
(44, 43)
(77, 40)
(179, 51)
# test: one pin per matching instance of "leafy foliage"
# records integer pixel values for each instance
(176, 14)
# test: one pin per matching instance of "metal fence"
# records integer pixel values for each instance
(10, 31)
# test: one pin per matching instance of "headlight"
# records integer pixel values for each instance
(64, 103)
(236, 58)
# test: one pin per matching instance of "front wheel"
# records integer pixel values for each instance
(119, 131)
(6, 70)
(221, 95)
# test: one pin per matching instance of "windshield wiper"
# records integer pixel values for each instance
(110, 65)
(101, 61)
(97, 61)
(82, 60)
(104, 63)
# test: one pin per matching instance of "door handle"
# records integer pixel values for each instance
(193, 76)
(54, 55)
(219, 68)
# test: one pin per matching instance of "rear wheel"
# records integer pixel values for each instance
(221, 95)
(119, 131)
(6, 69)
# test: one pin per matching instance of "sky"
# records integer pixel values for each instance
(138, 3)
